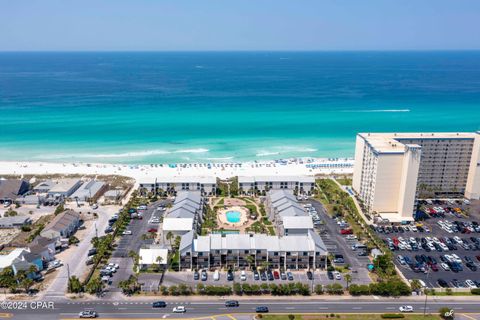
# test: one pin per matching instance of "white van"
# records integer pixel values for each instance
(216, 275)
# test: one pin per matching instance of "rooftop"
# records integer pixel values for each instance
(388, 142)
(177, 224)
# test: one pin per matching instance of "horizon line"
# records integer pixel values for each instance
(242, 50)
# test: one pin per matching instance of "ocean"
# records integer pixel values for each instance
(163, 107)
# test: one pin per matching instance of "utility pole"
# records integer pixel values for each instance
(68, 277)
(425, 291)
(96, 231)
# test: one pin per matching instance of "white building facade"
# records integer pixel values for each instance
(392, 170)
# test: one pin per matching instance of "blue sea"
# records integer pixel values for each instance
(225, 106)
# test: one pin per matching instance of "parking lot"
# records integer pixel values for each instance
(338, 244)
(443, 250)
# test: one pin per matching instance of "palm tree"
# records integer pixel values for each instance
(159, 260)
(169, 237)
(348, 279)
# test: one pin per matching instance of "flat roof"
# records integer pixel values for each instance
(388, 142)
(297, 222)
(63, 185)
(177, 224)
(150, 255)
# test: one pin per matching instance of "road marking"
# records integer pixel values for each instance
(6, 315)
(290, 308)
(357, 308)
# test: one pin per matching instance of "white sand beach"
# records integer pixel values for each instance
(292, 167)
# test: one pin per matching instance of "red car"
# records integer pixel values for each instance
(434, 267)
(478, 258)
(346, 231)
(276, 275)
(152, 230)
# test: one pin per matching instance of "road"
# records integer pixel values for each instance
(208, 308)
(75, 261)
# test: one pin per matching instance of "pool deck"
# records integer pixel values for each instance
(244, 222)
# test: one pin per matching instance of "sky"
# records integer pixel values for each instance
(197, 25)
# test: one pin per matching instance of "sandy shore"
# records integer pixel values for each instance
(293, 167)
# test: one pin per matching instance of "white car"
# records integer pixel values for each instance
(337, 275)
(179, 309)
(127, 232)
(243, 276)
(406, 309)
(445, 266)
(88, 314)
(470, 284)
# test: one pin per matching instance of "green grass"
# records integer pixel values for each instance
(467, 293)
(346, 316)
(271, 230)
(345, 181)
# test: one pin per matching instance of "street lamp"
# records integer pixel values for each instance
(426, 291)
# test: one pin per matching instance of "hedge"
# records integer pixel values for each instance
(475, 291)
(392, 316)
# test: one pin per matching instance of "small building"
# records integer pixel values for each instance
(62, 226)
(20, 259)
(89, 191)
(44, 247)
(10, 190)
(44, 186)
(15, 222)
(114, 195)
(153, 255)
(30, 199)
(64, 187)
(297, 225)
(178, 226)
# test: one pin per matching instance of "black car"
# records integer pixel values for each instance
(92, 251)
(230, 275)
(270, 275)
(261, 309)
(330, 275)
(442, 283)
(309, 275)
(263, 276)
(231, 303)
(196, 275)
(471, 266)
(256, 276)
(159, 304)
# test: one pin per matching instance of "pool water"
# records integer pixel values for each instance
(233, 216)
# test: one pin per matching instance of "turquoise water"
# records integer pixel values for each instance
(190, 107)
(233, 216)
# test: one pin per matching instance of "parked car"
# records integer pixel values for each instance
(276, 275)
(283, 275)
(289, 276)
(230, 275)
(256, 275)
(243, 275)
(91, 252)
(204, 276)
(309, 275)
(196, 275)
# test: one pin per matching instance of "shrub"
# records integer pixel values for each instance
(335, 288)
(475, 291)
(291, 317)
(392, 316)
(446, 313)
(319, 289)
(358, 290)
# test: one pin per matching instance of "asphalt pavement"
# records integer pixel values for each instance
(209, 308)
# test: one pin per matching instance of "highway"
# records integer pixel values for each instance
(202, 309)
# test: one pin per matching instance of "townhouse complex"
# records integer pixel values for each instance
(243, 250)
(393, 170)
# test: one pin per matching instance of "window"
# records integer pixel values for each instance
(275, 254)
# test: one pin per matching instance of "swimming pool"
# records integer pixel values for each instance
(233, 216)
